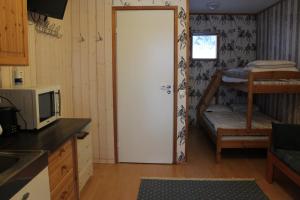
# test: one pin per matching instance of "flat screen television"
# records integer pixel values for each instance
(50, 8)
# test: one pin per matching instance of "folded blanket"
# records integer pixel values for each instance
(271, 64)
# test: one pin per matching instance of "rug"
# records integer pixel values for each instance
(203, 189)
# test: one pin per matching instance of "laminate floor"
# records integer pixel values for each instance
(121, 181)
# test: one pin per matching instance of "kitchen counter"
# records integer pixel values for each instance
(48, 139)
(44, 142)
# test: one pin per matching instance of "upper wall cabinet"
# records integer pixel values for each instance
(13, 32)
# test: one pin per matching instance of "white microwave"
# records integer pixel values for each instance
(38, 106)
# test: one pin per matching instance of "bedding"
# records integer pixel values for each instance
(242, 108)
(271, 64)
(227, 79)
(218, 108)
(243, 73)
(237, 120)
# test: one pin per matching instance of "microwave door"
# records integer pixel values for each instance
(46, 106)
(58, 102)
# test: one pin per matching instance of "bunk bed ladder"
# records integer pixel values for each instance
(209, 93)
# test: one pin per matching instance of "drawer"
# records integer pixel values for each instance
(84, 157)
(65, 189)
(85, 174)
(84, 151)
(59, 169)
(62, 152)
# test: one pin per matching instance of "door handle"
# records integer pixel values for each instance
(167, 88)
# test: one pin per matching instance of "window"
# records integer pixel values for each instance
(205, 46)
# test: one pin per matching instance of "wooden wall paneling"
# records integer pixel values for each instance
(53, 59)
(49, 62)
(101, 83)
(84, 65)
(76, 58)
(92, 35)
(6, 76)
(66, 67)
(109, 82)
(30, 76)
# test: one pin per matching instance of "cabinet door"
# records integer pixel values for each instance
(13, 32)
(37, 188)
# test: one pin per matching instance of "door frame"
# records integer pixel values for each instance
(114, 69)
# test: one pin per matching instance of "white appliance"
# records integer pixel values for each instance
(38, 106)
(145, 79)
(37, 188)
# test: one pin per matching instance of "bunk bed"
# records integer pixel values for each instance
(246, 129)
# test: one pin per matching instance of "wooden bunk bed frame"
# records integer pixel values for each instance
(251, 88)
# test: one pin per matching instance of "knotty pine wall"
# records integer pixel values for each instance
(50, 62)
(92, 72)
(82, 69)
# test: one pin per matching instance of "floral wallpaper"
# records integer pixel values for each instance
(237, 47)
(182, 65)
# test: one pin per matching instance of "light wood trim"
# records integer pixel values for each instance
(175, 84)
(187, 75)
(233, 144)
(250, 102)
(245, 132)
(114, 56)
(115, 89)
(273, 161)
(268, 88)
(275, 75)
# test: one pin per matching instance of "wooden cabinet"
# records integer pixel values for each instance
(63, 172)
(13, 32)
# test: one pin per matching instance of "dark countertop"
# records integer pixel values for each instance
(44, 141)
(48, 138)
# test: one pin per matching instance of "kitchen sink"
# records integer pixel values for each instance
(6, 162)
(13, 162)
(17, 168)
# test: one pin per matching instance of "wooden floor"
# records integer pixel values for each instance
(121, 181)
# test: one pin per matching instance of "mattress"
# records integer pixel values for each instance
(228, 79)
(243, 73)
(237, 120)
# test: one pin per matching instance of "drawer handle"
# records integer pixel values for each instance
(26, 196)
(62, 151)
(64, 170)
(64, 195)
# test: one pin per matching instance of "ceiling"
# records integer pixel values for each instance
(230, 6)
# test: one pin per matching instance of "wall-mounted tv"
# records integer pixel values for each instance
(50, 8)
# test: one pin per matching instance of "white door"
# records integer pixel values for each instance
(145, 78)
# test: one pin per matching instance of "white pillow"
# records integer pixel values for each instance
(218, 108)
(243, 108)
(271, 64)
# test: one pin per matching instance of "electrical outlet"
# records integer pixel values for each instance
(18, 77)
